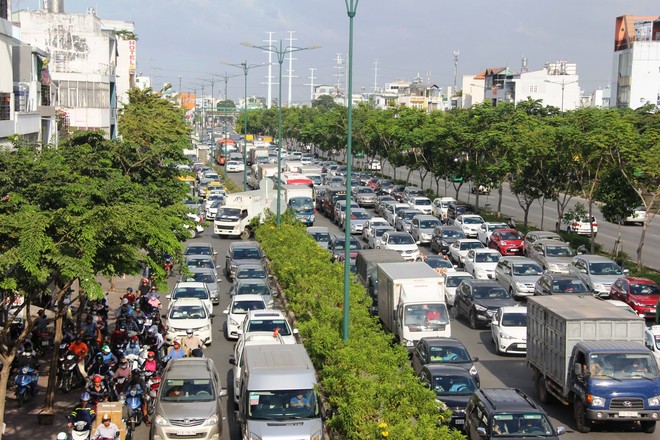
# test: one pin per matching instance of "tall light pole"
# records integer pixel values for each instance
(281, 52)
(246, 68)
(226, 77)
(563, 84)
(351, 9)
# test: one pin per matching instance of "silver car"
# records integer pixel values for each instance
(598, 272)
(374, 239)
(242, 252)
(206, 276)
(188, 402)
(254, 286)
(364, 196)
(552, 255)
(320, 234)
(359, 217)
(403, 219)
(518, 275)
(422, 226)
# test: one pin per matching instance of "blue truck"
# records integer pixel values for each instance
(590, 354)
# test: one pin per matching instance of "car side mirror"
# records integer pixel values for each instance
(168, 297)
(475, 359)
(212, 315)
(232, 360)
(561, 430)
(481, 431)
(577, 369)
(626, 272)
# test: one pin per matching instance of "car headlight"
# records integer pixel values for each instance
(479, 308)
(353, 227)
(637, 304)
(598, 286)
(505, 336)
(232, 321)
(595, 400)
(520, 286)
(473, 370)
(316, 436)
(654, 401)
(444, 243)
(213, 420)
(254, 436)
(161, 421)
(206, 328)
(233, 268)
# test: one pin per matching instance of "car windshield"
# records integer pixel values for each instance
(250, 273)
(527, 269)
(201, 262)
(623, 365)
(472, 220)
(269, 325)
(510, 236)
(569, 286)
(410, 215)
(488, 292)
(452, 233)
(187, 390)
(558, 251)
(644, 289)
(448, 355)
(422, 202)
(321, 237)
(365, 191)
(429, 224)
(360, 215)
(242, 307)
(203, 277)
(514, 319)
(198, 250)
(495, 227)
(607, 268)
(418, 317)
(454, 281)
(521, 425)
(228, 214)
(439, 263)
(302, 203)
(187, 312)
(471, 245)
(247, 254)
(381, 231)
(401, 239)
(282, 404)
(339, 245)
(252, 289)
(446, 385)
(487, 257)
(190, 292)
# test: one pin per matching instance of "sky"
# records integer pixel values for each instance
(190, 41)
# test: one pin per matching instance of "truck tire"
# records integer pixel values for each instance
(582, 424)
(245, 235)
(542, 390)
(648, 427)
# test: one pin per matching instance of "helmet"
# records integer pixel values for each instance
(27, 346)
(124, 301)
(99, 356)
(135, 372)
(129, 289)
(62, 436)
(97, 378)
(133, 342)
(85, 397)
(105, 349)
(151, 355)
(189, 332)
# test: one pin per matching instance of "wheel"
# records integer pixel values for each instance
(66, 384)
(245, 235)
(20, 398)
(193, 232)
(582, 424)
(542, 390)
(473, 320)
(648, 427)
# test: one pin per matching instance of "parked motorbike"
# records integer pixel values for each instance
(26, 384)
(81, 430)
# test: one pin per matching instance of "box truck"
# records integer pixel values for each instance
(300, 199)
(366, 264)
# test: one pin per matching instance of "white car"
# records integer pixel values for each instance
(578, 225)
(197, 228)
(212, 209)
(191, 289)
(391, 211)
(374, 165)
(509, 330)
(459, 249)
(486, 230)
(402, 242)
(652, 340)
(268, 322)
(421, 204)
(372, 222)
(238, 308)
(638, 216)
(481, 263)
(452, 281)
(469, 223)
(440, 205)
(234, 166)
(375, 238)
(185, 314)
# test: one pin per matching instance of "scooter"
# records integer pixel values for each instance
(70, 375)
(81, 430)
(26, 383)
(153, 383)
(134, 402)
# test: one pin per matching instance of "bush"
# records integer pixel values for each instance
(368, 380)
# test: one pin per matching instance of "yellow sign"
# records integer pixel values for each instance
(249, 137)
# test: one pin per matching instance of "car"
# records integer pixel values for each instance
(330, 197)
(508, 330)
(384, 186)
(487, 228)
(234, 166)
(470, 223)
(242, 252)
(551, 283)
(210, 200)
(212, 209)
(481, 263)
(412, 191)
(194, 224)
(621, 304)
(459, 249)
(268, 322)
(580, 226)
(206, 276)
(456, 209)
(440, 205)
(518, 275)
(364, 196)
(250, 271)
(397, 193)
(422, 227)
(190, 390)
(494, 413)
(478, 300)
(453, 386)
(200, 261)
(373, 165)
(320, 234)
(652, 340)
(200, 248)
(421, 204)
(189, 313)
(597, 272)
(638, 216)
(391, 211)
(375, 238)
(552, 255)
(506, 242)
(402, 242)
(331, 180)
(359, 216)
(443, 237)
(533, 236)
(445, 351)
(191, 289)
(403, 219)
(254, 286)
(453, 279)
(340, 211)
(642, 294)
(482, 189)
(237, 309)
(439, 263)
(380, 200)
(371, 223)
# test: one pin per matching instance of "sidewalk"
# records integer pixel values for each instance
(23, 423)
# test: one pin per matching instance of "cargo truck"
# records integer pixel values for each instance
(261, 171)
(257, 153)
(366, 264)
(411, 302)
(590, 354)
(300, 199)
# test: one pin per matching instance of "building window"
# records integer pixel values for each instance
(83, 94)
(533, 88)
(5, 106)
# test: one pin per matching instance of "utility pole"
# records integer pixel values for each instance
(290, 75)
(456, 54)
(311, 84)
(269, 100)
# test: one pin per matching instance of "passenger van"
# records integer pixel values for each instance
(277, 393)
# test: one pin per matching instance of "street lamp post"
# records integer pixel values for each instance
(226, 77)
(281, 52)
(351, 9)
(563, 84)
(246, 67)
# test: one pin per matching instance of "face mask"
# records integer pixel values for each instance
(124, 366)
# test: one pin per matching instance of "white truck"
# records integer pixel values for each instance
(233, 219)
(313, 173)
(590, 354)
(257, 153)
(300, 198)
(261, 171)
(411, 302)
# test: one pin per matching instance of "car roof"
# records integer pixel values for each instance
(485, 251)
(441, 370)
(561, 276)
(639, 280)
(250, 266)
(198, 244)
(468, 240)
(318, 229)
(247, 297)
(516, 259)
(265, 314)
(181, 284)
(507, 399)
(444, 342)
(187, 302)
(595, 258)
(188, 368)
(426, 217)
(476, 282)
(514, 309)
(550, 241)
(244, 244)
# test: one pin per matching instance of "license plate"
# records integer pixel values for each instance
(182, 432)
(628, 414)
(459, 421)
(45, 342)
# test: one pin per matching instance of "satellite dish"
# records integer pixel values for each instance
(266, 184)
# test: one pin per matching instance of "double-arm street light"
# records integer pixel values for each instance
(226, 77)
(281, 51)
(246, 68)
(351, 9)
(563, 84)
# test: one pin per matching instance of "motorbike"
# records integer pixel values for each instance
(168, 265)
(70, 374)
(118, 387)
(26, 383)
(81, 430)
(153, 383)
(134, 402)
(45, 342)
(136, 361)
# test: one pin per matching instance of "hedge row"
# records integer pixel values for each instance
(367, 381)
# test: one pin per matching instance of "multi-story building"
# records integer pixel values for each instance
(636, 63)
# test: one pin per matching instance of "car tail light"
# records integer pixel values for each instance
(595, 224)
(576, 225)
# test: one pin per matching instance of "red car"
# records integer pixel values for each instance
(507, 241)
(641, 294)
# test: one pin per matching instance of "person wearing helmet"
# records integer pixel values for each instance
(129, 295)
(133, 348)
(79, 347)
(137, 382)
(144, 287)
(97, 390)
(192, 341)
(106, 429)
(90, 333)
(108, 357)
(176, 351)
(151, 364)
(119, 337)
(123, 370)
(98, 366)
(83, 412)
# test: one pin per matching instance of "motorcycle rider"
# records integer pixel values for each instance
(90, 333)
(129, 295)
(119, 337)
(176, 351)
(136, 382)
(124, 310)
(79, 347)
(192, 341)
(108, 357)
(144, 288)
(83, 412)
(106, 430)
(99, 367)
(153, 301)
(97, 390)
(151, 364)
